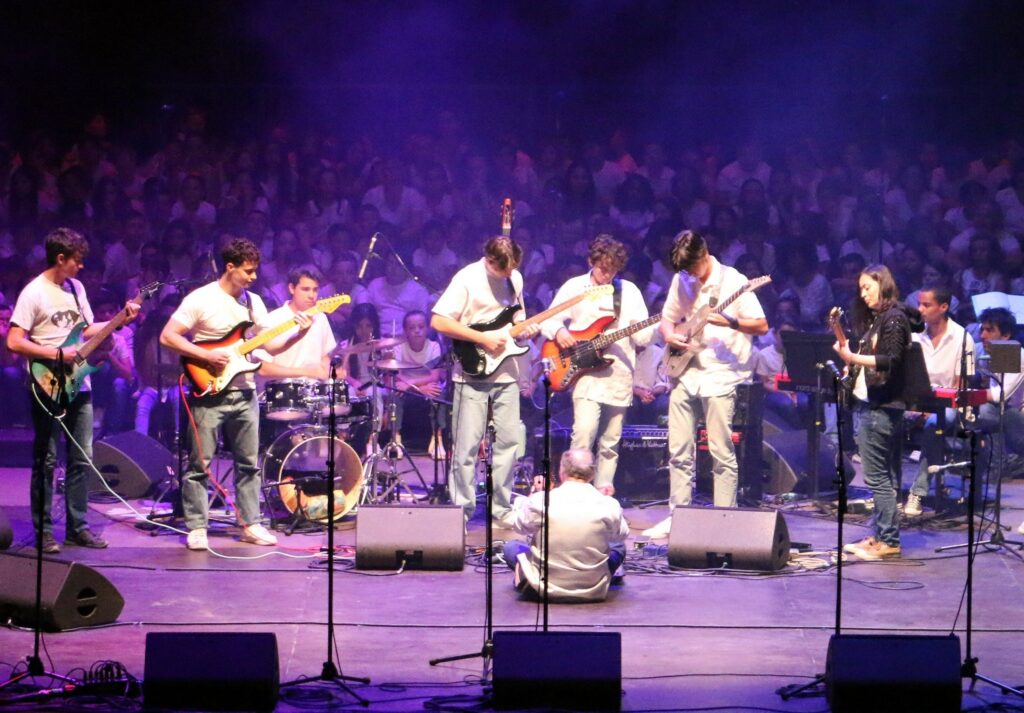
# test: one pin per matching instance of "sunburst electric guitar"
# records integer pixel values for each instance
(678, 360)
(48, 374)
(587, 354)
(238, 348)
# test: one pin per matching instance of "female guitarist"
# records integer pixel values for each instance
(876, 371)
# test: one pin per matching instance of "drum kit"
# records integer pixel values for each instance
(294, 479)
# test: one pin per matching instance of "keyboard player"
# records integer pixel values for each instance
(942, 343)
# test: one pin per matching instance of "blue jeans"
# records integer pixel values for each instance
(878, 438)
(469, 421)
(238, 413)
(513, 548)
(78, 419)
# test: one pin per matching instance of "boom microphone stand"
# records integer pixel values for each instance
(35, 663)
(546, 464)
(330, 672)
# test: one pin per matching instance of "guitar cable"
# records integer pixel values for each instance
(135, 513)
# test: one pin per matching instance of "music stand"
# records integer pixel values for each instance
(805, 357)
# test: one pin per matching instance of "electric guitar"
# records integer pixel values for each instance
(585, 356)
(237, 347)
(476, 361)
(48, 375)
(835, 322)
(678, 360)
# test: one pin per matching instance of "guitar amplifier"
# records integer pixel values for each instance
(642, 472)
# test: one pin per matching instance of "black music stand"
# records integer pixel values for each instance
(806, 355)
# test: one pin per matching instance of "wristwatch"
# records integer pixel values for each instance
(733, 322)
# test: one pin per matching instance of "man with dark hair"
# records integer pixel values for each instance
(208, 313)
(722, 360)
(600, 399)
(942, 343)
(47, 310)
(478, 293)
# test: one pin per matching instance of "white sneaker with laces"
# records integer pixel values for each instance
(660, 530)
(197, 539)
(258, 535)
(913, 506)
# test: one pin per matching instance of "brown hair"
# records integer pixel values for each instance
(606, 251)
(888, 295)
(240, 251)
(503, 252)
(66, 242)
(688, 248)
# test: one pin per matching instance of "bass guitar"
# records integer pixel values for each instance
(678, 360)
(238, 348)
(586, 355)
(835, 323)
(476, 361)
(61, 383)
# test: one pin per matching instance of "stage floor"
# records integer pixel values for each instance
(691, 640)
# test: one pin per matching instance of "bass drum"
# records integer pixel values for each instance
(294, 471)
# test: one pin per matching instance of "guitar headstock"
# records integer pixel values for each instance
(835, 317)
(147, 291)
(508, 214)
(759, 282)
(329, 304)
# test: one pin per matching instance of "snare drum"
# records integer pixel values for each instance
(322, 398)
(359, 410)
(289, 399)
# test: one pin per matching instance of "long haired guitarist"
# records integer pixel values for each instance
(50, 309)
(207, 314)
(720, 354)
(602, 373)
(476, 295)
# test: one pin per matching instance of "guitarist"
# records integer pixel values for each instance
(478, 293)
(722, 361)
(44, 315)
(208, 313)
(600, 399)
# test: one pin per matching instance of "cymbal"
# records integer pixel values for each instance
(395, 365)
(374, 345)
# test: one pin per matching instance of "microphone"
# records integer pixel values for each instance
(834, 370)
(932, 469)
(369, 252)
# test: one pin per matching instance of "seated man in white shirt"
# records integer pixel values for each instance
(942, 342)
(587, 536)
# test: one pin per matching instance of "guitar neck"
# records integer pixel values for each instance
(518, 328)
(604, 340)
(118, 321)
(268, 334)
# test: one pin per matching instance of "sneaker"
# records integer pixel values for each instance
(50, 546)
(618, 576)
(914, 506)
(435, 449)
(660, 530)
(197, 539)
(85, 538)
(258, 535)
(854, 547)
(878, 551)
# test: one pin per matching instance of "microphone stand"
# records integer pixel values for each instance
(330, 673)
(546, 464)
(787, 692)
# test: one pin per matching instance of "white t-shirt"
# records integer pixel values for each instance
(209, 313)
(307, 351)
(48, 312)
(726, 359)
(473, 296)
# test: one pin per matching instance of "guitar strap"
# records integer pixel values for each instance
(248, 306)
(616, 297)
(74, 293)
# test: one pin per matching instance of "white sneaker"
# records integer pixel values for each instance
(660, 530)
(258, 535)
(197, 539)
(913, 506)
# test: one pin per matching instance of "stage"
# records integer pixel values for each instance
(690, 639)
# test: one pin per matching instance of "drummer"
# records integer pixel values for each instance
(310, 356)
(415, 372)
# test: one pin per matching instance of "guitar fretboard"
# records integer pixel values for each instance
(604, 340)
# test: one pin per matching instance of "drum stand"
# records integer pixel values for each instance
(382, 479)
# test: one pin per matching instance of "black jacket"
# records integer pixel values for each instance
(886, 381)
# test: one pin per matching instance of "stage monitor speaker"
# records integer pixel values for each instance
(416, 537)
(73, 594)
(737, 538)
(787, 464)
(131, 463)
(566, 669)
(211, 671)
(893, 674)
(6, 531)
